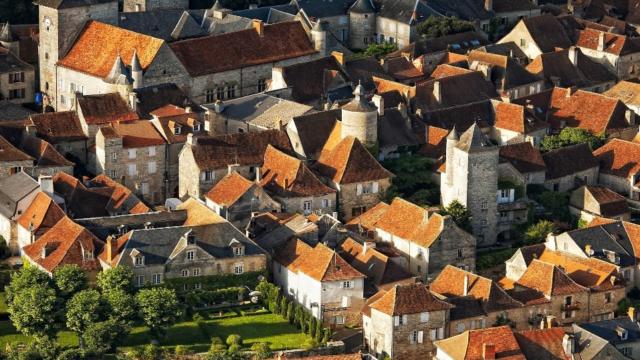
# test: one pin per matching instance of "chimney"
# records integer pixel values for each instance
(465, 289)
(426, 133)
(402, 109)
(601, 41)
(549, 322)
(191, 140)
(587, 249)
(632, 313)
(31, 129)
(148, 225)
(368, 245)
(258, 25)
(133, 101)
(109, 248)
(488, 351)
(258, 174)
(555, 80)
(46, 184)
(231, 168)
(218, 106)
(569, 344)
(437, 91)
(630, 116)
(339, 57)
(488, 5)
(573, 55)
(379, 103)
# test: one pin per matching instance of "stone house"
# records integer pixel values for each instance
(289, 181)
(320, 280)
(516, 123)
(17, 78)
(522, 164)
(618, 53)
(570, 167)
(151, 5)
(96, 111)
(62, 130)
(618, 169)
(66, 243)
(404, 321)
(41, 215)
(205, 160)
(236, 199)
(257, 51)
(17, 191)
(621, 333)
(135, 153)
(427, 241)
(125, 62)
(175, 123)
(538, 35)
(12, 159)
(354, 173)
(589, 202)
(183, 252)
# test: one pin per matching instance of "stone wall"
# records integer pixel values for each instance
(7, 168)
(361, 30)
(149, 5)
(28, 85)
(348, 198)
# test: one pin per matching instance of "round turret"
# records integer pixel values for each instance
(362, 24)
(360, 118)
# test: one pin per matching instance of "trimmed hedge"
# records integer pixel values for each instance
(215, 282)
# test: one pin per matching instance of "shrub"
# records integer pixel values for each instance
(234, 339)
(310, 344)
(262, 350)
(217, 346)
(537, 233)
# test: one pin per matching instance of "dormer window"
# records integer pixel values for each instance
(238, 251)
(139, 260)
(177, 130)
(196, 127)
(191, 255)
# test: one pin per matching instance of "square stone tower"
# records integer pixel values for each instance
(60, 22)
(471, 178)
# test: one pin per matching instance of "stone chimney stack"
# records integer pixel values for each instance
(46, 184)
(632, 313)
(573, 55)
(601, 41)
(465, 290)
(437, 91)
(569, 344)
(258, 25)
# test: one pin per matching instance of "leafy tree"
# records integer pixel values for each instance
(319, 334)
(557, 203)
(571, 136)
(538, 232)
(104, 336)
(69, 279)
(35, 312)
(437, 26)
(460, 214)
(158, 308)
(380, 50)
(234, 339)
(117, 278)
(412, 180)
(262, 350)
(123, 306)
(26, 278)
(84, 309)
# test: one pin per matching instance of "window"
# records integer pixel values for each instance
(238, 269)
(63, 101)
(262, 85)
(358, 210)
(459, 253)
(132, 153)
(399, 320)
(607, 298)
(177, 130)
(157, 278)
(627, 351)
(132, 170)
(523, 42)
(191, 255)
(196, 272)
(114, 156)
(196, 127)
(209, 95)
(365, 40)
(219, 93)
(414, 336)
(238, 251)
(338, 320)
(112, 174)
(436, 334)
(556, 187)
(207, 175)
(306, 206)
(424, 317)
(152, 151)
(347, 284)
(460, 327)
(326, 203)
(197, 286)
(184, 273)
(17, 77)
(144, 188)
(16, 94)
(231, 91)
(140, 280)
(484, 205)
(152, 167)
(139, 260)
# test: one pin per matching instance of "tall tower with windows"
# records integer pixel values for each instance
(59, 23)
(362, 19)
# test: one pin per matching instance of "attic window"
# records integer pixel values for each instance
(196, 127)
(177, 130)
(238, 251)
(138, 260)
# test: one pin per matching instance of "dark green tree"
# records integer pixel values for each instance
(437, 26)
(459, 213)
(26, 278)
(84, 309)
(69, 279)
(571, 136)
(104, 336)
(122, 307)
(380, 50)
(537, 233)
(158, 309)
(35, 311)
(118, 278)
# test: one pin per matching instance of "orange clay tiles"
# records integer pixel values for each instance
(408, 299)
(619, 157)
(41, 215)
(136, 134)
(229, 189)
(549, 280)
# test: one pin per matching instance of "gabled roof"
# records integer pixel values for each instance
(588, 272)
(549, 280)
(56, 127)
(218, 53)
(198, 213)
(557, 64)
(313, 79)
(547, 32)
(469, 345)
(41, 215)
(378, 267)
(619, 158)
(229, 189)
(613, 43)
(314, 130)
(445, 70)
(610, 203)
(45, 154)
(13, 189)
(517, 118)
(165, 24)
(626, 91)
(136, 134)
(8, 152)
(568, 160)
(506, 72)
(523, 156)
(409, 299)
(99, 44)
(319, 263)
(104, 108)
(288, 176)
(586, 110)
(349, 162)
(65, 243)
(156, 96)
(543, 343)
(455, 90)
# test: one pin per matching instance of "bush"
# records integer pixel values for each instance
(310, 344)
(437, 26)
(262, 350)
(151, 352)
(571, 136)
(182, 350)
(380, 50)
(217, 346)
(537, 233)
(234, 339)
(489, 260)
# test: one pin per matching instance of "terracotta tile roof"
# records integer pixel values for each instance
(450, 283)
(626, 91)
(445, 70)
(238, 49)
(611, 203)
(409, 299)
(588, 272)
(45, 154)
(288, 176)
(411, 222)
(558, 64)
(548, 279)
(613, 43)
(99, 44)
(41, 215)
(169, 110)
(168, 125)
(619, 158)
(452, 58)
(369, 219)
(121, 199)
(386, 85)
(319, 262)
(104, 108)
(57, 127)
(523, 156)
(586, 110)
(543, 343)
(8, 152)
(198, 213)
(66, 243)
(244, 149)
(568, 160)
(516, 118)
(469, 345)
(435, 145)
(403, 69)
(377, 266)
(349, 162)
(137, 134)
(229, 189)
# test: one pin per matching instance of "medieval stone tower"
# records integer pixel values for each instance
(471, 178)
(60, 22)
(149, 5)
(319, 37)
(360, 119)
(362, 19)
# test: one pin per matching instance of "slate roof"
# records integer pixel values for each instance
(608, 330)
(409, 299)
(318, 9)
(56, 127)
(473, 140)
(466, 9)
(406, 11)
(11, 63)
(66, 4)
(13, 189)
(201, 56)
(461, 42)
(454, 91)
(568, 161)
(165, 24)
(314, 130)
(311, 80)
(523, 156)
(395, 130)
(617, 237)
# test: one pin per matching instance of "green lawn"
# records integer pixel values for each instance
(9, 335)
(3, 304)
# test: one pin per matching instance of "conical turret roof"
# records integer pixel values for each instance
(218, 6)
(453, 134)
(118, 73)
(5, 33)
(360, 103)
(362, 7)
(474, 140)
(135, 62)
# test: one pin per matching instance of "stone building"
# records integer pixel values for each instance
(471, 178)
(134, 153)
(589, 202)
(362, 24)
(618, 53)
(151, 5)
(403, 322)
(570, 167)
(17, 78)
(64, 131)
(360, 118)
(60, 22)
(538, 35)
(95, 111)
